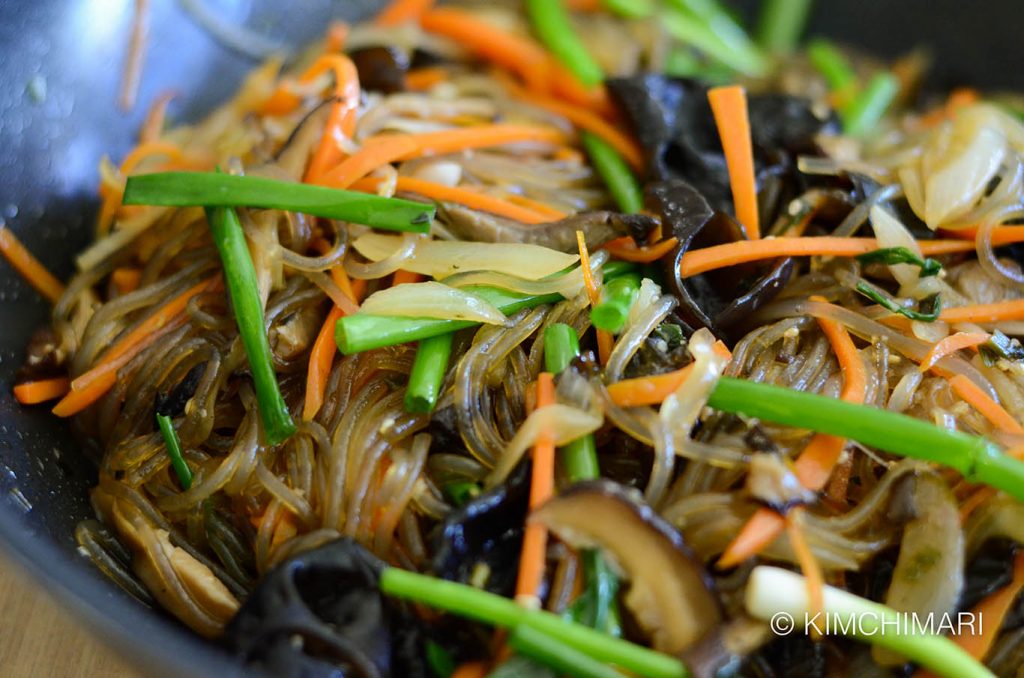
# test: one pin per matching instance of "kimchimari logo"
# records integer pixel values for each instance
(867, 624)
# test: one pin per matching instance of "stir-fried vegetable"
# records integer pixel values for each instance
(174, 450)
(553, 26)
(615, 173)
(617, 298)
(900, 255)
(559, 656)
(867, 108)
(781, 24)
(427, 373)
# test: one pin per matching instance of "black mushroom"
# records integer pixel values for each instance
(721, 299)
(320, 613)
(598, 228)
(381, 69)
(669, 592)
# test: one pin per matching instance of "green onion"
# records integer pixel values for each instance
(428, 372)
(174, 450)
(901, 255)
(617, 299)
(462, 491)
(1001, 347)
(245, 299)
(975, 458)
(495, 610)
(554, 28)
(774, 594)
(211, 189)
(706, 26)
(597, 605)
(931, 306)
(782, 23)
(440, 661)
(615, 268)
(615, 173)
(631, 9)
(561, 345)
(545, 650)
(832, 65)
(865, 111)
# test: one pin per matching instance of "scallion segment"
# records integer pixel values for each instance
(617, 298)
(495, 610)
(930, 307)
(245, 300)
(631, 9)
(427, 375)
(782, 23)
(553, 26)
(975, 458)
(556, 655)
(901, 255)
(213, 189)
(174, 450)
(704, 24)
(865, 111)
(832, 65)
(561, 346)
(615, 173)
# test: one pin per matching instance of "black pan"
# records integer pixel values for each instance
(50, 143)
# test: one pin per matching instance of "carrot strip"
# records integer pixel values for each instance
(132, 74)
(584, 5)
(695, 262)
(654, 389)
(420, 79)
(320, 361)
(626, 249)
(384, 149)
(470, 670)
(126, 279)
(805, 557)
(958, 98)
(402, 276)
(155, 117)
(973, 502)
(729, 106)
(90, 386)
(334, 39)
(1001, 235)
(952, 344)
(985, 313)
(400, 11)
(461, 195)
(759, 531)
(550, 213)
(28, 266)
(342, 122)
(970, 393)
(542, 484)
(35, 392)
(604, 338)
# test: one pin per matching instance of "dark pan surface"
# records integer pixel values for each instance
(49, 149)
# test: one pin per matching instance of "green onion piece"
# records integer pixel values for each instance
(865, 111)
(597, 606)
(832, 64)
(618, 296)
(553, 26)
(1001, 347)
(901, 255)
(545, 650)
(931, 306)
(462, 491)
(977, 459)
(211, 189)
(782, 23)
(245, 299)
(631, 9)
(428, 370)
(440, 661)
(561, 345)
(773, 594)
(681, 62)
(174, 450)
(705, 25)
(495, 610)
(615, 268)
(615, 173)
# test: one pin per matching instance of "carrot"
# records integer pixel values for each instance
(90, 386)
(583, 118)
(28, 266)
(729, 106)
(695, 262)
(402, 276)
(112, 195)
(958, 98)
(626, 249)
(584, 5)
(952, 344)
(155, 117)
(401, 11)
(970, 393)
(985, 313)
(654, 389)
(805, 557)
(542, 483)
(336, 36)
(35, 392)
(973, 502)
(320, 360)
(461, 195)
(566, 86)
(132, 75)
(760, 530)
(1001, 235)
(604, 338)
(126, 279)
(470, 670)
(387, 148)
(342, 121)
(550, 213)
(420, 79)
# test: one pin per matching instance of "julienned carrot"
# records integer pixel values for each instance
(28, 266)
(342, 121)
(126, 279)
(460, 195)
(401, 11)
(542, 483)
(112, 197)
(625, 249)
(1001, 235)
(402, 277)
(90, 386)
(587, 119)
(35, 392)
(805, 557)
(604, 339)
(320, 360)
(758, 532)
(952, 344)
(695, 262)
(420, 79)
(470, 670)
(153, 126)
(654, 389)
(729, 105)
(970, 393)
(985, 313)
(384, 149)
(976, 500)
(545, 210)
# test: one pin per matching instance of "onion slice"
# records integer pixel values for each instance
(432, 300)
(442, 258)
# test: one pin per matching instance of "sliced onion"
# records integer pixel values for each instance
(680, 410)
(399, 252)
(568, 285)
(440, 259)
(561, 422)
(432, 300)
(889, 232)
